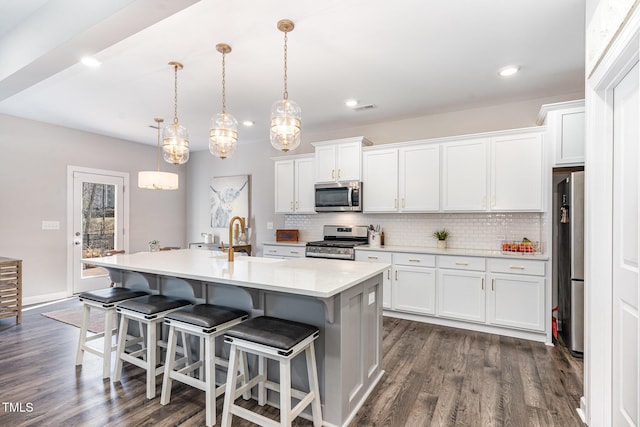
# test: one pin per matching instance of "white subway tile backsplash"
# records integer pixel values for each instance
(468, 230)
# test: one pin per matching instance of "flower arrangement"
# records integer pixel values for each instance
(154, 245)
(441, 234)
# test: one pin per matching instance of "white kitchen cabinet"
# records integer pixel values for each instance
(405, 179)
(283, 251)
(516, 300)
(565, 122)
(461, 294)
(380, 257)
(380, 180)
(419, 178)
(294, 185)
(414, 283)
(339, 160)
(516, 173)
(464, 175)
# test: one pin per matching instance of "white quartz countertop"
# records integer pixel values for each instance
(455, 252)
(321, 278)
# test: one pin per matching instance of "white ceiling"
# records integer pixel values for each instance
(406, 57)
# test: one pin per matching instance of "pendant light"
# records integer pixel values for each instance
(156, 180)
(175, 139)
(223, 135)
(285, 114)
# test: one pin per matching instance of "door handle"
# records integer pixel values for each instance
(483, 283)
(76, 243)
(388, 274)
(396, 274)
(333, 174)
(492, 283)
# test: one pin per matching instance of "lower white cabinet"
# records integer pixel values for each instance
(380, 257)
(414, 289)
(461, 295)
(496, 295)
(283, 251)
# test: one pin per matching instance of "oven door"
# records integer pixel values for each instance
(338, 197)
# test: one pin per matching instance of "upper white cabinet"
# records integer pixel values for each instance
(565, 122)
(464, 175)
(294, 185)
(405, 179)
(516, 173)
(339, 160)
(380, 180)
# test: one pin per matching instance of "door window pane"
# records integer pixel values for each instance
(98, 223)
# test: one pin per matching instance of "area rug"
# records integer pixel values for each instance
(73, 316)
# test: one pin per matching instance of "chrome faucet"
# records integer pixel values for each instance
(234, 219)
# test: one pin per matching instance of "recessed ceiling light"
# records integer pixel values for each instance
(90, 61)
(351, 102)
(509, 70)
(248, 123)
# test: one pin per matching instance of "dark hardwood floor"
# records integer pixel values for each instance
(435, 376)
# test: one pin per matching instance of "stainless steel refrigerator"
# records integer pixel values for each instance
(570, 256)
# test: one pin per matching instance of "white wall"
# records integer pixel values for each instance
(33, 187)
(256, 159)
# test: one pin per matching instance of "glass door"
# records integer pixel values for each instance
(98, 226)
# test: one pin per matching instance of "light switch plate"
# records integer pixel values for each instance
(51, 225)
(269, 226)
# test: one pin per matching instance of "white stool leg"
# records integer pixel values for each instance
(210, 380)
(230, 389)
(244, 371)
(168, 366)
(122, 343)
(285, 392)
(82, 340)
(186, 348)
(316, 409)
(201, 351)
(152, 353)
(262, 372)
(108, 343)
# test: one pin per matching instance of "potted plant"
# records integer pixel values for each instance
(441, 235)
(154, 246)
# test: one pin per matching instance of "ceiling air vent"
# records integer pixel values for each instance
(364, 107)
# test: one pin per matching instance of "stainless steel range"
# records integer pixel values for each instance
(339, 242)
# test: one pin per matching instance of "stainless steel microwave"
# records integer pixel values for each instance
(339, 197)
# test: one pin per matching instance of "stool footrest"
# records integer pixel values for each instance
(252, 416)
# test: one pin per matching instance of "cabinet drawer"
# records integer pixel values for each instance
(373, 256)
(284, 251)
(517, 266)
(461, 263)
(414, 259)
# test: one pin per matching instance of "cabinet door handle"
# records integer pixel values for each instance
(403, 202)
(294, 252)
(396, 274)
(388, 274)
(272, 251)
(333, 174)
(291, 206)
(372, 257)
(414, 260)
(493, 201)
(339, 173)
(461, 263)
(483, 283)
(395, 203)
(297, 204)
(516, 267)
(492, 284)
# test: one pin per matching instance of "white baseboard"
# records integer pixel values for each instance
(39, 299)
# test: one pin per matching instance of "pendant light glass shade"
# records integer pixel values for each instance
(286, 117)
(285, 125)
(223, 135)
(175, 139)
(157, 180)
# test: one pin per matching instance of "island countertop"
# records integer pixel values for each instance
(321, 278)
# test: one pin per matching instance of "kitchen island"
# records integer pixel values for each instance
(342, 298)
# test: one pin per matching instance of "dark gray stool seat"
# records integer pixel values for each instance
(273, 332)
(150, 305)
(110, 296)
(206, 316)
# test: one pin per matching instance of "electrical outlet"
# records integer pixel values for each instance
(269, 225)
(372, 297)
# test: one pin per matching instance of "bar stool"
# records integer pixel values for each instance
(207, 322)
(150, 311)
(276, 339)
(102, 299)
